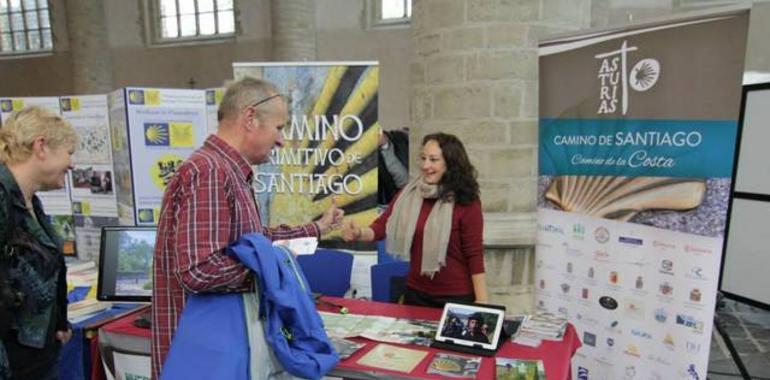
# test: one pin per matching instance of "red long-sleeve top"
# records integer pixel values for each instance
(465, 251)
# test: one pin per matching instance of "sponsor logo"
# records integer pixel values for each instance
(641, 334)
(569, 267)
(696, 273)
(614, 277)
(211, 97)
(690, 321)
(6, 105)
(602, 235)
(590, 273)
(630, 372)
(586, 319)
(616, 79)
(632, 350)
(692, 372)
(692, 347)
(667, 267)
(695, 295)
(630, 240)
(634, 309)
(601, 255)
(613, 327)
(668, 341)
(661, 315)
(582, 373)
(135, 97)
(664, 246)
(542, 284)
(551, 228)
(578, 231)
(584, 293)
(610, 342)
(589, 339)
(565, 288)
(659, 359)
(639, 283)
(666, 289)
(608, 303)
(697, 250)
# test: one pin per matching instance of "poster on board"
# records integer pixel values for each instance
(330, 143)
(636, 148)
(153, 132)
(93, 197)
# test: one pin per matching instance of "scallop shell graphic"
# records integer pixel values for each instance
(621, 198)
(446, 365)
(644, 74)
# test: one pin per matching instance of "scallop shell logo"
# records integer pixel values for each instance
(644, 74)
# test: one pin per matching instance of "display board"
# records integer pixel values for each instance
(56, 203)
(636, 152)
(93, 196)
(153, 131)
(747, 256)
(213, 98)
(330, 143)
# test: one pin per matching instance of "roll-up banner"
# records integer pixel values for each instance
(636, 147)
(330, 143)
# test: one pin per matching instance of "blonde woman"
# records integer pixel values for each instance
(36, 149)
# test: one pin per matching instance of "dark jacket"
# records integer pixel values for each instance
(386, 187)
(33, 272)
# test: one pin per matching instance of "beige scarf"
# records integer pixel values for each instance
(403, 221)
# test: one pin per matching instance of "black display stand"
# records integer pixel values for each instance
(729, 343)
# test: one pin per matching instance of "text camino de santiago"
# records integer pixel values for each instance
(315, 128)
(639, 158)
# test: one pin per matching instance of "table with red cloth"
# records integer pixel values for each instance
(556, 355)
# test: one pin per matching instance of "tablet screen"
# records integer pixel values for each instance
(470, 325)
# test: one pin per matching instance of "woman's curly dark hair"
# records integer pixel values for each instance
(459, 180)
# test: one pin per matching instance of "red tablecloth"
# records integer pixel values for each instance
(556, 355)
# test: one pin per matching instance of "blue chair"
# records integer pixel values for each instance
(327, 271)
(382, 254)
(383, 276)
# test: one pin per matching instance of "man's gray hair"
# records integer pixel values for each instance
(243, 93)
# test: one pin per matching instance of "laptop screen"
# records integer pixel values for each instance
(125, 264)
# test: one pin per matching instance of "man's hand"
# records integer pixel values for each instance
(331, 218)
(64, 336)
(351, 232)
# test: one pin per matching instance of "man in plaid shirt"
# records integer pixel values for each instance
(209, 203)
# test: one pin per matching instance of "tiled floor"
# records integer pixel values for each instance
(749, 329)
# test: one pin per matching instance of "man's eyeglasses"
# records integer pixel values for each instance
(265, 100)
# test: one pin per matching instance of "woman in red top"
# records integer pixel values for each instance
(436, 223)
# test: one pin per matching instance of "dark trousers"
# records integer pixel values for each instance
(418, 298)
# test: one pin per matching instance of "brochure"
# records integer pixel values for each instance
(454, 365)
(393, 358)
(519, 369)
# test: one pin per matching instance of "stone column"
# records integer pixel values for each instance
(91, 54)
(294, 30)
(475, 74)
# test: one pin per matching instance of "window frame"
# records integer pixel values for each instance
(153, 20)
(375, 20)
(27, 52)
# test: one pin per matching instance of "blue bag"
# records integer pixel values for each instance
(292, 325)
(199, 351)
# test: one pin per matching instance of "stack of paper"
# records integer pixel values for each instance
(538, 327)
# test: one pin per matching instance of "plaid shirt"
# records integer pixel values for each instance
(208, 204)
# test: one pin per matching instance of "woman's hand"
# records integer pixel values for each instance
(64, 336)
(351, 232)
(330, 219)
